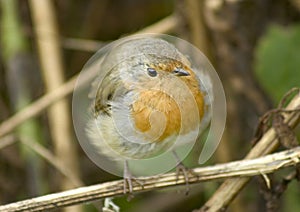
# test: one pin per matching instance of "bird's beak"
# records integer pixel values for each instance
(181, 72)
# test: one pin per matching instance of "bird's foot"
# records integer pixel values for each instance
(127, 181)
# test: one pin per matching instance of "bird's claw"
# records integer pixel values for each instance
(180, 168)
(127, 181)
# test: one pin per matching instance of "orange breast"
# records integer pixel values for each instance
(158, 109)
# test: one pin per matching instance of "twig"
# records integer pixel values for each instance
(166, 25)
(199, 35)
(243, 168)
(52, 159)
(266, 144)
(7, 140)
(51, 61)
(45, 101)
(37, 107)
(82, 44)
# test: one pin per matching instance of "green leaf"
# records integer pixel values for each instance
(277, 61)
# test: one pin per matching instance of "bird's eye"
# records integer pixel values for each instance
(152, 72)
(176, 71)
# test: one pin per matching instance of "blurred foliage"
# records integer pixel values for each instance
(277, 67)
(11, 34)
(278, 60)
(291, 198)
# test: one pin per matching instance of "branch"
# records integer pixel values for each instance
(37, 107)
(243, 168)
(267, 143)
(7, 140)
(53, 160)
(52, 68)
(166, 25)
(194, 12)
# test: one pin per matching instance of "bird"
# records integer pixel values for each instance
(147, 98)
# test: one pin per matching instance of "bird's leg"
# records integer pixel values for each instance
(128, 177)
(180, 167)
(109, 206)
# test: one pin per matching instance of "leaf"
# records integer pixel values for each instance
(277, 60)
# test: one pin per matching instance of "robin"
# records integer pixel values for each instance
(147, 99)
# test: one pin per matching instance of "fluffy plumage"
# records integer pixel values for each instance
(146, 95)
